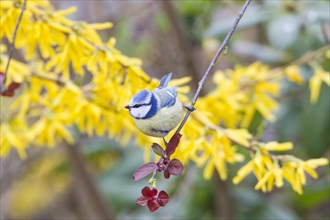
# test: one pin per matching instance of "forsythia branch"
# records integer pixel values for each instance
(57, 80)
(309, 56)
(11, 48)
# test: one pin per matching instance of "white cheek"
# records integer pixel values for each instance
(141, 111)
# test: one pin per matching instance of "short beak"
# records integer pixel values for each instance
(127, 106)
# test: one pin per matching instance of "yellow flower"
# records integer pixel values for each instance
(215, 153)
(11, 138)
(272, 176)
(241, 136)
(101, 26)
(275, 146)
(315, 83)
(292, 73)
(17, 72)
(240, 93)
(269, 172)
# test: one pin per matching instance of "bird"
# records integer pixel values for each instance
(156, 112)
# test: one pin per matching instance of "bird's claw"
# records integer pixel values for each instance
(189, 108)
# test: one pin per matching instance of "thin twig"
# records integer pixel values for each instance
(307, 57)
(211, 65)
(304, 59)
(56, 80)
(11, 48)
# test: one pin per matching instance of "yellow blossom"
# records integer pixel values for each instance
(220, 151)
(240, 93)
(292, 73)
(17, 71)
(269, 172)
(241, 136)
(274, 146)
(315, 83)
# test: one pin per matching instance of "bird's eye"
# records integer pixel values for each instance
(137, 105)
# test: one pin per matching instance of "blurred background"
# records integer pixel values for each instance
(53, 184)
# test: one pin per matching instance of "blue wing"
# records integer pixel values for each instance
(165, 80)
(167, 96)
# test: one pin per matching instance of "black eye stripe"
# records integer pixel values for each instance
(139, 105)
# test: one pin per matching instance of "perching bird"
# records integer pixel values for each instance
(156, 112)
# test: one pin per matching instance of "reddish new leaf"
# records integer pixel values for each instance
(172, 144)
(153, 205)
(151, 199)
(163, 198)
(147, 192)
(175, 167)
(142, 201)
(167, 174)
(144, 171)
(11, 89)
(158, 149)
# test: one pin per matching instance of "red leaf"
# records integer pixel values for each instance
(167, 174)
(172, 144)
(175, 167)
(13, 86)
(144, 171)
(7, 93)
(11, 89)
(163, 198)
(158, 149)
(153, 206)
(149, 193)
(142, 201)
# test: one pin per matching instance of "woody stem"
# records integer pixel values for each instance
(11, 48)
(211, 65)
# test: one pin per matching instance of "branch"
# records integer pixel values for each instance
(11, 48)
(211, 65)
(50, 78)
(307, 57)
(304, 59)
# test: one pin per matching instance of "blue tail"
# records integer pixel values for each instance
(165, 80)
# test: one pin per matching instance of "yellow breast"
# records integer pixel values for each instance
(161, 123)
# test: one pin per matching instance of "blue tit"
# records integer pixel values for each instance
(156, 112)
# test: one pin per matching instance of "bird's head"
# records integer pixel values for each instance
(143, 105)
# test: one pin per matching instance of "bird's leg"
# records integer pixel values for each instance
(189, 107)
(165, 142)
